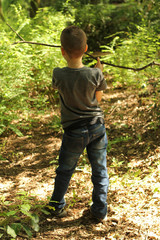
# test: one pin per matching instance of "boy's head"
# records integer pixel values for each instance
(74, 41)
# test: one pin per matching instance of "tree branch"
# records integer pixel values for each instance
(130, 68)
(103, 62)
(109, 64)
(15, 32)
(43, 44)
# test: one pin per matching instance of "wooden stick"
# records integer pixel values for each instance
(43, 44)
(15, 32)
(131, 68)
(109, 64)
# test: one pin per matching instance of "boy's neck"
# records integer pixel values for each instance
(75, 62)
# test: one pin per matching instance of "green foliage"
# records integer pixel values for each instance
(136, 51)
(118, 140)
(130, 33)
(100, 21)
(116, 163)
(26, 70)
(21, 216)
(83, 159)
(127, 32)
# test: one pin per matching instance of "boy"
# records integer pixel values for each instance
(80, 89)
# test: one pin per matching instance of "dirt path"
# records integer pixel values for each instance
(28, 164)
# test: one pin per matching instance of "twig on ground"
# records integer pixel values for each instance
(112, 111)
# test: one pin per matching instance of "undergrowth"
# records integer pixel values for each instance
(21, 216)
(26, 70)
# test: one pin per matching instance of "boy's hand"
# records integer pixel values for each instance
(98, 64)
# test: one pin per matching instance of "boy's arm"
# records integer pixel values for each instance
(99, 64)
(99, 93)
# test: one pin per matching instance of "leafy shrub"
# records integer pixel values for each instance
(100, 21)
(20, 216)
(136, 51)
(26, 70)
(103, 21)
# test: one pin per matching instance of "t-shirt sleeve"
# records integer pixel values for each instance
(54, 79)
(102, 84)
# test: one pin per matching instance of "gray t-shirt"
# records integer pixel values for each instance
(77, 87)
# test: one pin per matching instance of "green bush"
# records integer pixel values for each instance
(25, 69)
(21, 216)
(103, 20)
(136, 51)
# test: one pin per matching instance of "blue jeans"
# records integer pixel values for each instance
(94, 139)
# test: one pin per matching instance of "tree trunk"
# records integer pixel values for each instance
(1, 11)
(34, 5)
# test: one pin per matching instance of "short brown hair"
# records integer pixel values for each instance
(73, 40)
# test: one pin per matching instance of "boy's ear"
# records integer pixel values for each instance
(86, 48)
(62, 51)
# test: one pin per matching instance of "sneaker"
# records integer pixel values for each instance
(98, 219)
(59, 213)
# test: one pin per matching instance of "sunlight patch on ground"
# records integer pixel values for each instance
(24, 182)
(54, 144)
(36, 184)
(5, 185)
(137, 199)
(30, 157)
(43, 190)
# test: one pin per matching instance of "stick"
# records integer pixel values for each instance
(15, 32)
(109, 64)
(43, 44)
(131, 68)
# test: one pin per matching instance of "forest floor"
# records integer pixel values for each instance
(28, 164)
